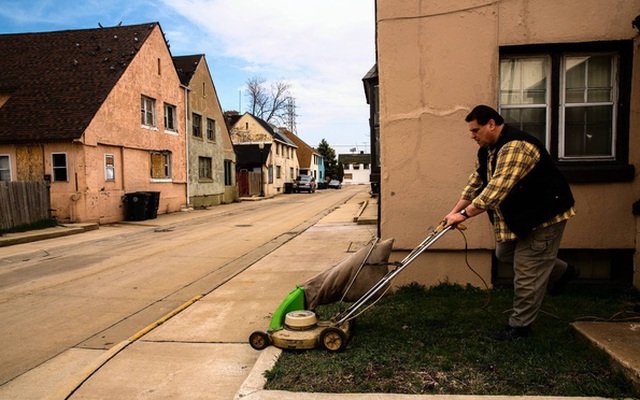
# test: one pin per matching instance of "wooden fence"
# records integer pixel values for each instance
(23, 203)
(248, 183)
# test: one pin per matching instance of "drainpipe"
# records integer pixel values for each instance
(186, 139)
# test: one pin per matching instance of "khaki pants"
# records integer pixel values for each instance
(534, 261)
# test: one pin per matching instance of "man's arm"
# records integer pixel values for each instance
(457, 215)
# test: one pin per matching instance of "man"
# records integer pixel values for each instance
(528, 201)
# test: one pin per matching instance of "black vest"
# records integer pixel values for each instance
(538, 197)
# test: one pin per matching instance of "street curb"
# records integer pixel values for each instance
(62, 230)
(256, 380)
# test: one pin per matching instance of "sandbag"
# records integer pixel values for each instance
(329, 286)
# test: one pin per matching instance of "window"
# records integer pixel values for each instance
(211, 129)
(59, 167)
(147, 112)
(160, 165)
(278, 171)
(196, 125)
(270, 174)
(588, 106)
(5, 168)
(109, 168)
(575, 99)
(204, 168)
(228, 170)
(356, 166)
(170, 117)
(291, 175)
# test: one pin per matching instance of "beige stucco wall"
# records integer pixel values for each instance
(439, 58)
(203, 100)
(287, 160)
(248, 130)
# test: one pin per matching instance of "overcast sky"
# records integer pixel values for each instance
(322, 47)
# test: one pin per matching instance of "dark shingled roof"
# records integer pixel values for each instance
(57, 81)
(186, 66)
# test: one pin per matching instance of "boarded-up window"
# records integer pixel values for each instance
(161, 165)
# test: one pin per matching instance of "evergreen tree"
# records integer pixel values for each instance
(330, 162)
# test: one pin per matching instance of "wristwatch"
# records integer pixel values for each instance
(463, 212)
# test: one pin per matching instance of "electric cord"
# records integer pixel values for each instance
(487, 303)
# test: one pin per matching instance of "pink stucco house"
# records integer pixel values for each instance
(98, 112)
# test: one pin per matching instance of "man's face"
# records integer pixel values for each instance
(484, 135)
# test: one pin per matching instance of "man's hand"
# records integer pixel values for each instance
(453, 218)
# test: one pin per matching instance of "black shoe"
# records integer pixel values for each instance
(512, 333)
(555, 288)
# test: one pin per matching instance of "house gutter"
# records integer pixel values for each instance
(186, 140)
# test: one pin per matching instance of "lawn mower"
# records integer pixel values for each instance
(293, 327)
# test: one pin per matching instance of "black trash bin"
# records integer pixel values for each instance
(137, 206)
(154, 203)
(288, 187)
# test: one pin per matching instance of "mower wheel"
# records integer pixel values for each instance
(259, 340)
(333, 339)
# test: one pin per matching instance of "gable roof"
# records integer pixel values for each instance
(304, 150)
(275, 133)
(186, 67)
(57, 81)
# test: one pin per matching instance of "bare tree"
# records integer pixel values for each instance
(269, 101)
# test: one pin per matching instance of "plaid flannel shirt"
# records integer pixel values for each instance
(515, 160)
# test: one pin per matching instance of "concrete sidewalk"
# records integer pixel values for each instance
(201, 350)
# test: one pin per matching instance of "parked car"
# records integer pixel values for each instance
(335, 184)
(305, 183)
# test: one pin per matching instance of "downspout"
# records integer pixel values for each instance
(186, 140)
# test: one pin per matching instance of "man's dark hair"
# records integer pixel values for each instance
(483, 114)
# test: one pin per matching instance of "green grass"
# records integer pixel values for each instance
(42, 224)
(435, 341)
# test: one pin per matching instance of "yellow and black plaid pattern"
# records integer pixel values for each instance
(514, 161)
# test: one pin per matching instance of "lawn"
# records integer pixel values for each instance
(435, 341)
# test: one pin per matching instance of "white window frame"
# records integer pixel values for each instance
(54, 167)
(8, 158)
(148, 108)
(564, 105)
(110, 169)
(170, 118)
(546, 105)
